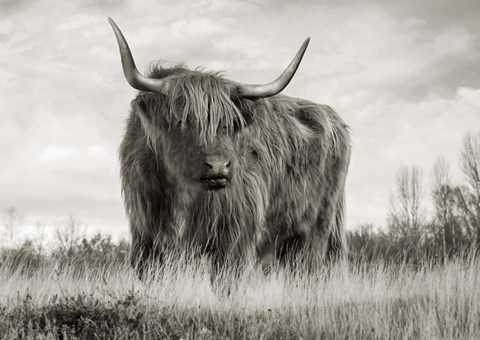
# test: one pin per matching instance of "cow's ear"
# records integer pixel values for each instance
(145, 106)
(142, 105)
(150, 108)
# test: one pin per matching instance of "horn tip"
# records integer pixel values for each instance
(112, 23)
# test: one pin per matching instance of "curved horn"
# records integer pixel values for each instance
(276, 86)
(135, 78)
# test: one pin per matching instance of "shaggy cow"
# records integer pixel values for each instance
(236, 171)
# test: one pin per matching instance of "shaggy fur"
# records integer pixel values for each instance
(289, 160)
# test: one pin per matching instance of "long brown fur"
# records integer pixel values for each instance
(285, 199)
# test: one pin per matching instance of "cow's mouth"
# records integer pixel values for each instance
(214, 182)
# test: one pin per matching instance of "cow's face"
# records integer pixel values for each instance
(199, 149)
(205, 166)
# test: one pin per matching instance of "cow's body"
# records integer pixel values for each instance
(207, 168)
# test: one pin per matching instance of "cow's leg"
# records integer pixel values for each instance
(223, 276)
(144, 254)
(288, 251)
(303, 253)
(219, 277)
(337, 245)
(227, 270)
(325, 240)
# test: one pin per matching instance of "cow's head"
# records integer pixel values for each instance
(191, 117)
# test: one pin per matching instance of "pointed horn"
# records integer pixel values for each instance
(276, 86)
(135, 78)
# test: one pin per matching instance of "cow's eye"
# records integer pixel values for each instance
(254, 153)
(225, 128)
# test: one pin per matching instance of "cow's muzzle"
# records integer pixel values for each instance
(214, 182)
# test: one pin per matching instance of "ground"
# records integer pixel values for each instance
(344, 302)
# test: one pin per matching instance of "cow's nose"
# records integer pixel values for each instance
(217, 165)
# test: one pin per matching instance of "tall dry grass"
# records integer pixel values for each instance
(343, 302)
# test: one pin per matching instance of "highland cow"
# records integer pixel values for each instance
(236, 171)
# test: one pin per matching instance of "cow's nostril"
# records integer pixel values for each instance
(217, 164)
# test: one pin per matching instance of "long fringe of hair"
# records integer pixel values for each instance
(200, 99)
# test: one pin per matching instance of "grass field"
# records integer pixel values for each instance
(346, 302)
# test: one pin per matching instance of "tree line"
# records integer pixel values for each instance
(414, 233)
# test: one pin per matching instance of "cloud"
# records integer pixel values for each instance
(9, 6)
(53, 153)
(404, 76)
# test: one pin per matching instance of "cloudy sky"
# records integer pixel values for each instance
(404, 75)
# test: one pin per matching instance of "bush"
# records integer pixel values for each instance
(94, 252)
(25, 259)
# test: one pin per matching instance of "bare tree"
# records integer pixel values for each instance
(444, 203)
(69, 232)
(469, 195)
(407, 213)
(12, 219)
(470, 162)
